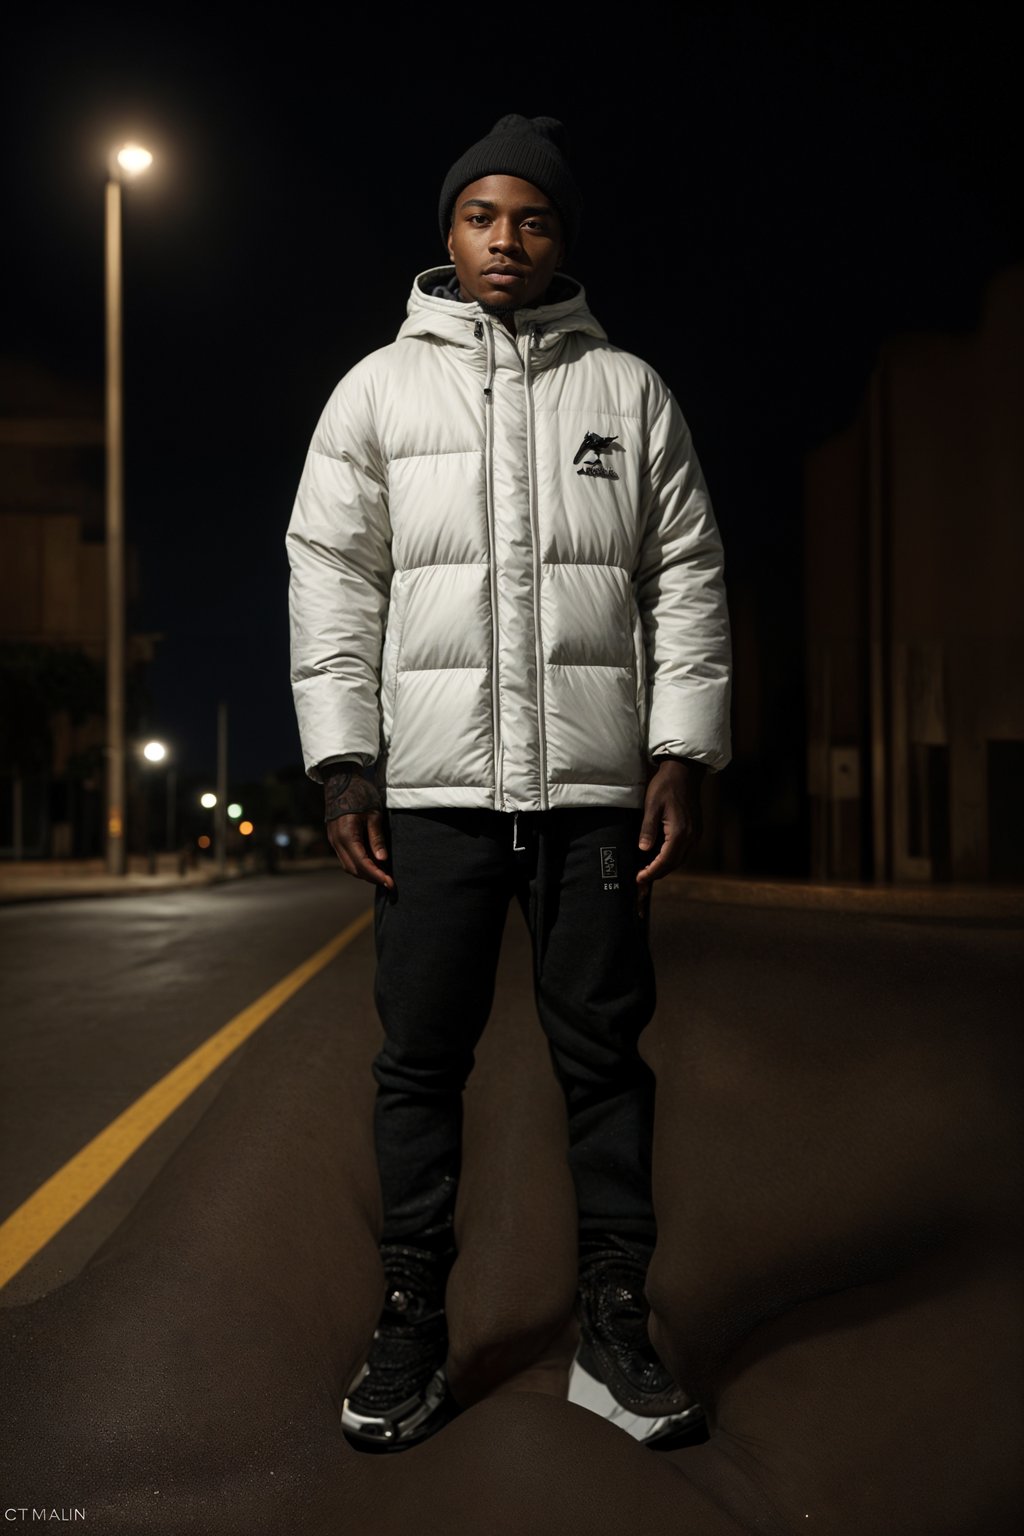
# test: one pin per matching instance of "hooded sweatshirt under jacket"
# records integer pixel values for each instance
(506, 576)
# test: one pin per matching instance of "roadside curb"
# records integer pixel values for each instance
(24, 888)
(128, 885)
(985, 902)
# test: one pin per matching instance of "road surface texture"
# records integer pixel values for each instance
(837, 1184)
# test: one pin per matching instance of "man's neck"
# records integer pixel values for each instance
(499, 312)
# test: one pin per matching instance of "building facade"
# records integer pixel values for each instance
(914, 537)
(52, 613)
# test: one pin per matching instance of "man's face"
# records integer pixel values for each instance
(506, 242)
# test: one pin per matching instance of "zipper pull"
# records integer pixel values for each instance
(517, 847)
(478, 330)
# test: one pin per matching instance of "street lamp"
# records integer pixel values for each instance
(156, 752)
(153, 752)
(208, 801)
(125, 162)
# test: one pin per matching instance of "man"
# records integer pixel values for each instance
(510, 662)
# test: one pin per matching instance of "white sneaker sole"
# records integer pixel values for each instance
(588, 1392)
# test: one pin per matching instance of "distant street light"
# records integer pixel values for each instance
(154, 751)
(208, 801)
(132, 159)
(126, 161)
(234, 810)
(246, 828)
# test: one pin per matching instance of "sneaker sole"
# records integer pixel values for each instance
(591, 1393)
(599, 1364)
(408, 1424)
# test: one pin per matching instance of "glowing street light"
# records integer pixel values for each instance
(154, 752)
(246, 828)
(127, 160)
(133, 159)
(208, 801)
(234, 811)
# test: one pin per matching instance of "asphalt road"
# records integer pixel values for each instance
(99, 999)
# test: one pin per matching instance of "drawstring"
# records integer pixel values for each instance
(486, 334)
(489, 380)
(480, 330)
(517, 846)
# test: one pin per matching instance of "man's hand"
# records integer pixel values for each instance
(355, 826)
(672, 820)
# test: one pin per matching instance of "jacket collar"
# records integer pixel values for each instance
(448, 319)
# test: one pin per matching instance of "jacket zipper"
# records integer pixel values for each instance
(485, 332)
(531, 454)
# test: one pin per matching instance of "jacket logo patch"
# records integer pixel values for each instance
(595, 444)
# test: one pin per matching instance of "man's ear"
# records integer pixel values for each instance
(451, 253)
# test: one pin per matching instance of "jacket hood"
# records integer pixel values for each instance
(434, 310)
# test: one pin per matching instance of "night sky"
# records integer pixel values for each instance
(766, 199)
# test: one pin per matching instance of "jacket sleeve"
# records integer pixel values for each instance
(681, 599)
(339, 552)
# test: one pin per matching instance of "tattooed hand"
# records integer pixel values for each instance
(355, 825)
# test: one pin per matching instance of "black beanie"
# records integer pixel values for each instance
(532, 148)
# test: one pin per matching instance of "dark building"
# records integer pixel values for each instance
(52, 614)
(914, 539)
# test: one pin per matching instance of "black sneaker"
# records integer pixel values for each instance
(401, 1394)
(614, 1347)
(678, 1432)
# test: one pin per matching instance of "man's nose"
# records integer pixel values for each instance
(504, 235)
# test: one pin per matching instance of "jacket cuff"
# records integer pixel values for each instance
(318, 772)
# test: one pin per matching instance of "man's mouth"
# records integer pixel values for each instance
(504, 277)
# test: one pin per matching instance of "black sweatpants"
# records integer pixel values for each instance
(574, 875)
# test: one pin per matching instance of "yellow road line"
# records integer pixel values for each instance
(54, 1203)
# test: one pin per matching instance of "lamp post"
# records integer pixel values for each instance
(220, 839)
(127, 161)
(156, 752)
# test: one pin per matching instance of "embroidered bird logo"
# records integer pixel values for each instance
(593, 443)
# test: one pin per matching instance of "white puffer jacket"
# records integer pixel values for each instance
(515, 623)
